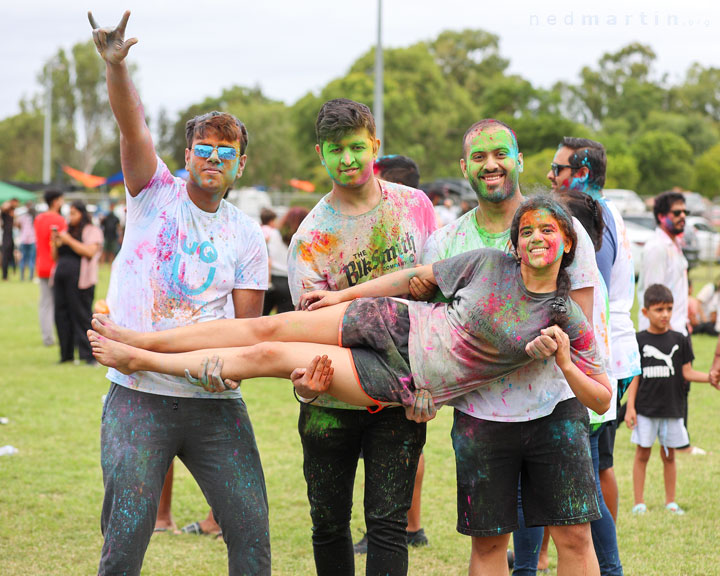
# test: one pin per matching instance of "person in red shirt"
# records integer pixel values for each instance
(45, 223)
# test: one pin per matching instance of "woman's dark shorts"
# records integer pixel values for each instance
(551, 455)
(377, 331)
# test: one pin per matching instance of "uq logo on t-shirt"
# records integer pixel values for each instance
(387, 257)
(206, 252)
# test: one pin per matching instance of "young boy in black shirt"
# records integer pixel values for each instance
(656, 401)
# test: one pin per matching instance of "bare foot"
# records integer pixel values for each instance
(314, 380)
(165, 525)
(110, 353)
(102, 324)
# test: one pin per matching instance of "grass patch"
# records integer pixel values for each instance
(51, 491)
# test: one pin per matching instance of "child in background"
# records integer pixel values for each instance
(655, 403)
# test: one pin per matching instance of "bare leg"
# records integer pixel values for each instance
(609, 486)
(164, 520)
(642, 455)
(543, 559)
(321, 326)
(576, 554)
(669, 473)
(488, 555)
(275, 359)
(414, 524)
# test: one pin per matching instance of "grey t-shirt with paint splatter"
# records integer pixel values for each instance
(481, 335)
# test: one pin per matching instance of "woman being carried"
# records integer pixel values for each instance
(388, 349)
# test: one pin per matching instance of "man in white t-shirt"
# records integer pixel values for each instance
(526, 404)
(184, 252)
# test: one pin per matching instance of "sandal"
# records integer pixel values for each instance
(673, 508)
(196, 529)
(639, 509)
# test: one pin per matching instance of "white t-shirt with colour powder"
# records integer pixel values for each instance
(332, 251)
(534, 390)
(177, 266)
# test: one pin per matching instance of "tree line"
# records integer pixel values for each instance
(658, 134)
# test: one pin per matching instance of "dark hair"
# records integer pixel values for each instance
(226, 125)
(266, 216)
(590, 154)
(52, 194)
(664, 202)
(76, 230)
(588, 211)
(397, 168)
(657, 294)
(482, 125)
(559, 312)
(291, 222)
(341, 116)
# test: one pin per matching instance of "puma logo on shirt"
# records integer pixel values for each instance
(658, 371)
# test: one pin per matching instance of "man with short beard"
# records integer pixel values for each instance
(487, 511)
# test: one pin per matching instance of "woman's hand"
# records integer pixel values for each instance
(62, 238)
(319, 299)
(562, 354)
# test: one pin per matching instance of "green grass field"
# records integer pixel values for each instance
(51, 491)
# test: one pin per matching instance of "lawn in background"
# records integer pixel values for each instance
(51, 491)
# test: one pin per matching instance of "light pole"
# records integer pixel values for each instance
(378, 104)
(47, 129)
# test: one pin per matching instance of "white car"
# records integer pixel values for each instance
(708, 240)
(637, 235)
(627, 201)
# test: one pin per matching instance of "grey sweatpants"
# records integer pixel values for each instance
(141, 434)
(46, 312)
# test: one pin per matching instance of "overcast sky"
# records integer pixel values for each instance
(190, 50)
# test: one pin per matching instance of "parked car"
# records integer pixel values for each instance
(708, 240)
(638, 235)
(691, 247)
(697, 204)
(627, 201)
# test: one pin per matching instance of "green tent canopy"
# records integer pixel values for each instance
(8, 191)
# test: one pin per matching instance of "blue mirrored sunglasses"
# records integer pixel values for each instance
(223, 152)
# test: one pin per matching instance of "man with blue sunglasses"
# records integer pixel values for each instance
(185, 253)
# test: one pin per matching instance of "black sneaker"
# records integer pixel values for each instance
(360, 546)
(417, 539)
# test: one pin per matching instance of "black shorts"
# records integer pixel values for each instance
(606, 444)
(377, 331)
(551, 455)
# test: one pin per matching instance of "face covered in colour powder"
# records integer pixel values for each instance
(674, 221)
(493, 163)
(349, 161)
(214, 174)
(570, 176)
(541, 241)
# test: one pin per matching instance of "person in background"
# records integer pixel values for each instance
(45, 223)
(7, 212)
(664, 263)
(110, 225)
(77, 252)
(656, 397)
(26, 225)
(278, 297)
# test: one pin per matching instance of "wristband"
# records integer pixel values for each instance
(303, 401)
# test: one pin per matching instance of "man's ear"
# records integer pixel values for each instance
(520, 162)
(318, 151)
(241, 165)
(463, 167)
(187, 157)
(645, 312)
